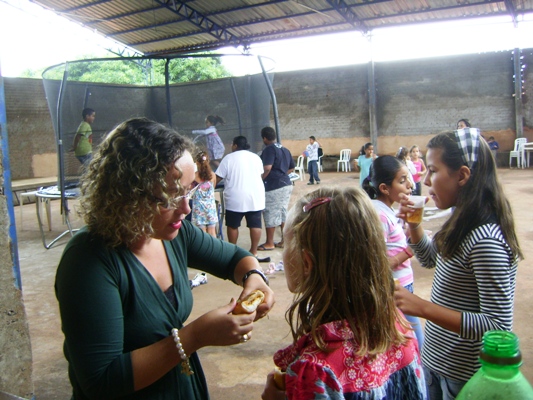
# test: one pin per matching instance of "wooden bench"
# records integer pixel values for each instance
(27, 189)
(23, 185)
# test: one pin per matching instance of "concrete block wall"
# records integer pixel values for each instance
(32, 144)
(415, 100)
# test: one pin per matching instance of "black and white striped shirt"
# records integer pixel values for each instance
(479, 281)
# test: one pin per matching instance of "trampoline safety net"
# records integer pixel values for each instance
(244, 103)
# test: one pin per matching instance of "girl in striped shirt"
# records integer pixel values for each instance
(475, 256)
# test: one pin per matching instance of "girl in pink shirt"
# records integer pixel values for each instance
(420, 169)
(387, 182)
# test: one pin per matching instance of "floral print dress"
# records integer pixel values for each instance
(341, 374)
(204, 210)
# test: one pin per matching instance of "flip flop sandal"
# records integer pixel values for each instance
(279, 245)
(263, 260)
(262, 247)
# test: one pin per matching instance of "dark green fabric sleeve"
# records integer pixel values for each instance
(91, 314)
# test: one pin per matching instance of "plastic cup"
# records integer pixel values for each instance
(418, 209)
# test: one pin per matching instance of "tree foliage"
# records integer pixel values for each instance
(142, 72)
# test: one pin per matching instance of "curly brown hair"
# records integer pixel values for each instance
(130, 165)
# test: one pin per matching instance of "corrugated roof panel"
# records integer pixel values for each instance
(159, 26)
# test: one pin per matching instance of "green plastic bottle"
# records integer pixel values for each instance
(499, 376)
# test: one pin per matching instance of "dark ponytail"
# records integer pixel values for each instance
(382, 170)
(364, 147)
(215, 119)
(368, 188)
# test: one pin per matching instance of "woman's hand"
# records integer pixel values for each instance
(411, 304)
(255, 282)
(271, 391)
(404, 209)
(220, 327)
(407, 302)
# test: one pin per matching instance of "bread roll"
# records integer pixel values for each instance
(279, 379)
(249, 304)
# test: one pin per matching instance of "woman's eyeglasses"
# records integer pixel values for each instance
(175, 202)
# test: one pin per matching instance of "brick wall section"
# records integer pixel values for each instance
(327, 103)
(415, 100)
(431, 95)
(29, 126)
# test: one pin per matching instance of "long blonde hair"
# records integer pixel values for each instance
(350, 278)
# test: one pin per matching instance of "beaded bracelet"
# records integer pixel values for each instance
(185, 365)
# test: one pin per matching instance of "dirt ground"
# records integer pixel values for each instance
(237, 372)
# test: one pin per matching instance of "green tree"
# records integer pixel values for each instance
(142, 71)
(192, 69)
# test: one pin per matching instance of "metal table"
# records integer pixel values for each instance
(44, 196)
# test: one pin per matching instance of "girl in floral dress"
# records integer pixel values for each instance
(204, 210)
(349, 339)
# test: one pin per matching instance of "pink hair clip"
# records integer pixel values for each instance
(316, 202)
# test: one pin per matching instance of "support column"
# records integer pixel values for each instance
(372, 106)
(15, 347)
(518, 106)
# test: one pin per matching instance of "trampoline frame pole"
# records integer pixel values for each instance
(167, 92)
(273, 98)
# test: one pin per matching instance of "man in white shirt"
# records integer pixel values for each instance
(244, 192)
(312, 153)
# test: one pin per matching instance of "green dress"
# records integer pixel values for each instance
(111, 305)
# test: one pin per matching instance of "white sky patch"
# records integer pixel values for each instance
(33, 38)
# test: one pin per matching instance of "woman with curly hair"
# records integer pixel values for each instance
(122, 283)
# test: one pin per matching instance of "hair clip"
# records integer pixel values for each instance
(316, 202)
(204, 158)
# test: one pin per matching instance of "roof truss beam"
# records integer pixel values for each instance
(509, 4)
(345, 11)
(201, 21)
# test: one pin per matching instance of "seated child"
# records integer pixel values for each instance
(349, 339)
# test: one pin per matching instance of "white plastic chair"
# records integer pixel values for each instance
(518, 153)
(344, 160)
(299, 168)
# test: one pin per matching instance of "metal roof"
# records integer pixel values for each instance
(158, 27)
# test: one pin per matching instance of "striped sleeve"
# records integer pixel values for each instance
(425, 252)
(479, 282)
(494, 272)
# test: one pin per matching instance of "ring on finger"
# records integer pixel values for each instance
(245, 338)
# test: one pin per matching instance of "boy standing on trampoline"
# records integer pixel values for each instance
(83, 141)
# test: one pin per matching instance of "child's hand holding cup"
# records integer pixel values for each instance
(415, 217)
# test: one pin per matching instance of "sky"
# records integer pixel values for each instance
(32, 38)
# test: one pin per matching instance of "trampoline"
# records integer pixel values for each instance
(245, 102)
